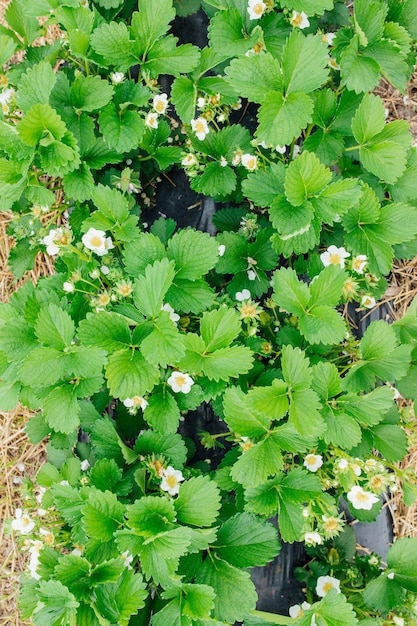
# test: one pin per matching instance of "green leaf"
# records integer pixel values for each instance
(249, 75)
(314, 7)
(146, 249)
(42, 367)
(79, 184)
(256, 464)
(241, 418)
(190, 296)
(269, 401)
(322, 324)
(150, 289)
(295, 368)
(332, 610)
(7, 48)
(57, 604)
(184, 96)
(304, 413)
(384, 159)
(219, 328)
(228, 34)
(391, 441)
(304, 63)
(171, 447)
(336, 199)
(305, 176)
(129, 374)
(102, 515)
(35, 86)
(401, 557)
(162, 412)
(262, 186)
(9, 395)
(198, 502)
(54, 327)
(165, 57)
(216, 180)
(112, 41)
(17, 339)
(290, 294)
(90, 93)
(227, 363)
(194, 253)
(282, 119)
(105, 330)
(152, 22)
(21, 22)
(61, 410)
(383, 594)
(290, 220)
(358, 73)
(118, 601)
(164, 344)
(235, 594)
(122, 130)
(41, 124)
(246, 541)
(327, 286)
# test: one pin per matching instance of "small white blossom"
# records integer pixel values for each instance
(34, 552)
(180, 382)
(391, 575)
(222, 249)
(297, 610)
(127, 559)
(296, 151)
(48, 536)
(356, 469)
(51, 241)
(328, 38)
(313, 461)
(343, 464)
(334, 256)
(171, 479)
(333, 64)
(313, 539)
(21, 467)
(64, 483)
(398, 621)
(22, 522)
(359, 263)
(160, 103)
(117, 77)
(325, 584)
(85, 465)
(223, 161)
(361, 499)
(97, 241)
(105, 270)
(281, 149)
(201, 102)
(151, 120)
(200, 127)
(243, 295)
(174, 317)
(256, 9)
(251, 274)
(368, 302)
(249, 161)
(135, 402)
(189, 160)
(299, 20)
(68, 287)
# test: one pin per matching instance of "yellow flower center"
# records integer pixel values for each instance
(258, 9)
(297, 19)
(171, 481)
(160, 106)
(125, 290)
(331, 524)
(361, 496)
(327, 586)
(103, 299)
(25, 521)
(96, 241)
(335, 258)
(376, 482)
(180, 380)
(248, 310)
(200, 127)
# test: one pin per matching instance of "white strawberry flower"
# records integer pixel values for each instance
(135, 402)
(313, 539)
(313, 461)
(54, 240)
(333, 64)
(160, 103)
(222, 249)
(171, 479)
(151, 120)
(68, 287)
(85, 465)
(223, 161)
(325, 584)
(256, 9)
(359, 263)
(251, 275)
(189, 160)
(22, 522)
(34, 552)
(117, 77)
(299, 20)
(368, 302)
(297, 610)
(361, 499)
(328, 38)
(280, 149)
(343, 464)
(127, 559)
(200, 127)
(97, 241)
(249, 161)
(334, 256)
(174, 317)
(180, 382)
(245, 294)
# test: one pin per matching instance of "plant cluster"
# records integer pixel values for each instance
(142, 323)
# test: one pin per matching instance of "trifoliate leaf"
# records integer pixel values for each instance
(117, 601)
(194, 253)
(263, 186)
(129, 374)
(235, 593)
(61, 410)
(102, 515)
(228, 34)
(304, 63)
(56, 604)
(35, 86)
(246, 541)
(164, 344)
(282, 119)
(227, 363)
(41, 124)
(190, 296)
(257, 463)
(322, 324)
(219, 328)
(122, 130)
(249, 76)
(90, 93)
(162, 412)
(151, 22)
(150, 289)
(290, 294)
(54, 327)
(358, 73)
(184, 97)
(383, 594)
(165, 57)
(198, 502)
(333, 610)
(112, 41)
(240, 417)
(305, 176)
(105, 330)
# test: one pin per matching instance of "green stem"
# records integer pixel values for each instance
(272, 618)
(353, 148)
